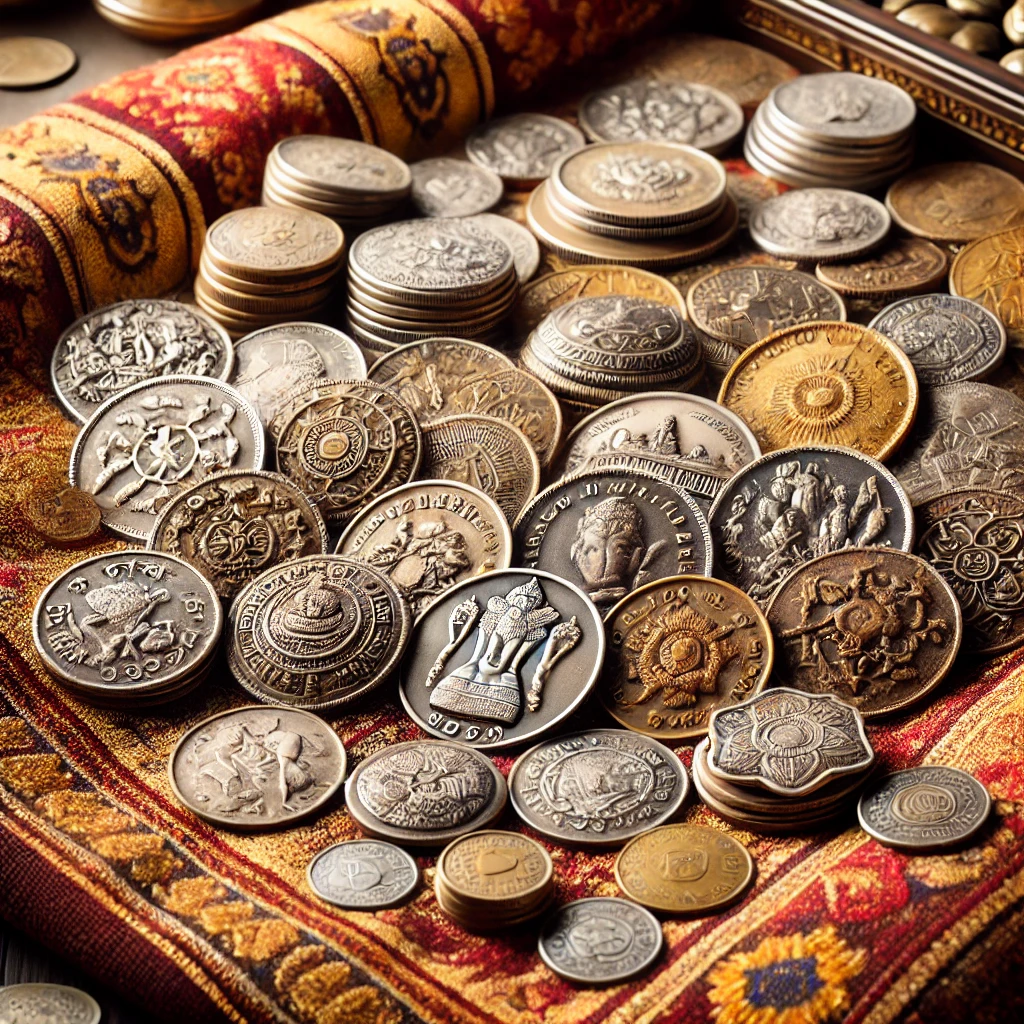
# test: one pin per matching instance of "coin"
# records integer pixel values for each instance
(473, 676)
(425, 793)
(256, 768)
(988, 271)
(363, 874)
(792, 505)
(344, 166)
(317, 632)
(444, 187)
(956, 202)
(684, 869)
(495, 868)
(741, 305)
(61, 514)
(28, 62)
(904, 266)
(597, 788)
(155, 439)
(110, 349)
(824, 383)
(429, 535)
(44, 1003)
(930, 807)
(948, 339)
(171, 20)
(878, 628)
(525, 250)
(523, 148)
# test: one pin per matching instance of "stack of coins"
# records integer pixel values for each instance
(265, 265)
(354, 184)
(160, 21)
(835, 129)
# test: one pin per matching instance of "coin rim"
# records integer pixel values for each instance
(367, 908)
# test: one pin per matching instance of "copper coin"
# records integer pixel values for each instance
(904, 266)
(60, 513)
(988, 271)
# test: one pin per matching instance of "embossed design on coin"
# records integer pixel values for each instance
(363, 874)
(495, 866)
(60, 513)
(445, 187)
(903, 266)
(255, 768)
(345, 164)
(523, 148)
(987, 270)
(43, 1003)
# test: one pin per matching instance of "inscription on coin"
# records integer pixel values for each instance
(523, 148)
(363, 874)
(445, 187)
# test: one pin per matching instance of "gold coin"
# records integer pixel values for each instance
(684, 869)
(988, 271)
(505, 869)
(824, 383)
(30, 61)
(904, 267)
(61, 513)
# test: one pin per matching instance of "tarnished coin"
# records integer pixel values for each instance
(600, 941)
(425, 793)
(648, 110)
(966, 435)
(819, 224)
(445, 187)
(611, 531)
(28, 62)
(44, 1003)
(824, 383)
(428, 536)
(234, 525)
(741, 305)
(988, 271)
(684, 869)
(523, 148)
(678, 649)
(256, 768)
(905, 266)
(60, 513)
(930, 807)
(363, 874)
(368, 173)
(878, 628)
(151, 441)
(525, 248)
(795, 504)
(597, 788)
(502, 658)
(948, 339)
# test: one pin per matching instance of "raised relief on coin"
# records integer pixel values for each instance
(494, 866)
(363, 874)
(988, 271)
(904, 266)
(523, 148)
(110, 349)
(256, 768)
(878, 629)
(60, 513)
(445, 187)
(317, 632)
(793, 505)
(43, 1003)
(345, 164)
(678, 649)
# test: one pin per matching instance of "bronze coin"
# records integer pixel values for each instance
(60, 513)
(988, 271)
(904, 266)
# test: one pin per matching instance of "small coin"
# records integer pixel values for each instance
(600, 941)
(256, 768)
(523, 148)
(363, 874)
(27, 62)
(425, 793)
(495, 867)
(43, 1003)
(878, 628)
(344, 166)
(60, 513)
(930, 807)
(987, 271)
(525, 249)
(684, 869)
(905, 266)
(445, 187)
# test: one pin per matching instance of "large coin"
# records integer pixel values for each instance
(363, 874)
(600, 941)
(825, 383)
(234, 525)
(445, 187)
(156, 439)
(611, 531)
(256, 768)
(428, 536)
(795, 504)
(922, 809)
(988, 271)
(27, 62)
(904, 266)
(112, 348)
(678, 650)
(60, 513)
(43, 1003)
(425, 793)
(948, 339)
(524, 246)
(344, 166)
(502, 658)
(317, 632)
(597, 788)
(523, 148)
(879, 628)
(684, 869)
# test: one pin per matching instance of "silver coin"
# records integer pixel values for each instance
(925, 808)
(502, 658)
(148, 443)
(344, 166)
(797, 503)
(600, 941)
(525, 247)
(363, 874)
(523, 148)
(821, 224)
(446, 187)
(110, 349)
(425, 793)
(947, 338)
(649, 110)
(256, 768)
(597, 788)
(43, 1003)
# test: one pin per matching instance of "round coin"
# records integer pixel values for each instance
(502, 658)
(600, 941)
(60, 513)
(923, 809)
(523, 148)
(684, 869)
(425, 793)
(987, 270)
(28, 62)
(363, 874)
(44, 1003)
(495, 867)
(445, 187)
(256, 768)
(905, 266)
(344, 166)
(598, 788)
(525, 249)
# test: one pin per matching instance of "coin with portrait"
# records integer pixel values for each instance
(363, 874)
